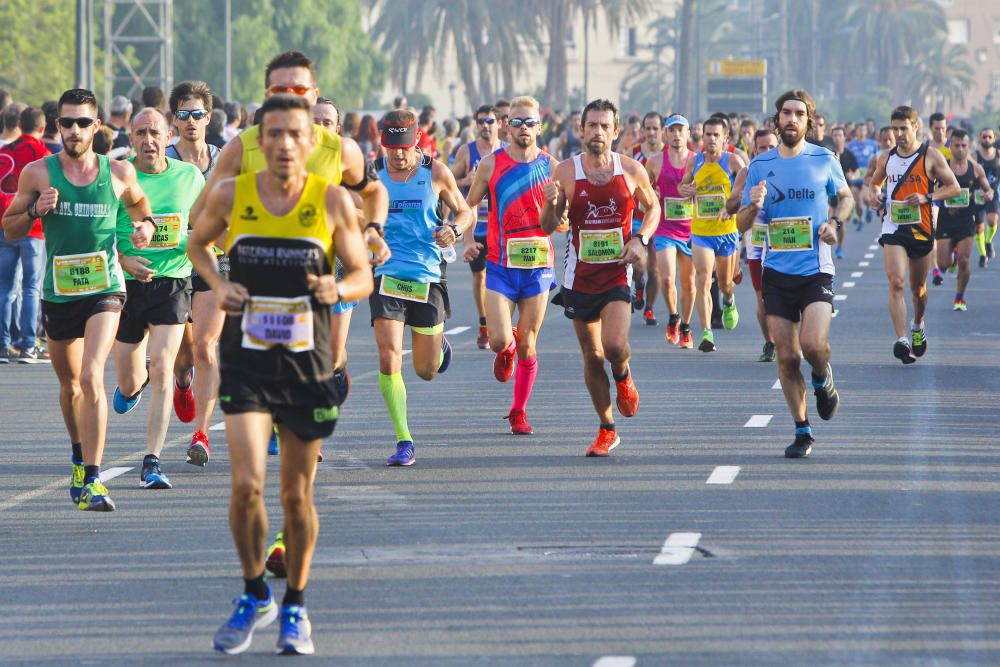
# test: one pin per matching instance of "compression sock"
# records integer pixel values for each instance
(990, 232)
(394, 393)
(77, 453)
(92, 473)
(524, 381)
(981, 243)
(294, 597)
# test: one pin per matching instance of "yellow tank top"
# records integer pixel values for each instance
(324, 161)
(712, 180)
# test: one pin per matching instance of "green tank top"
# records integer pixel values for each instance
(171, 195)
(82, 258)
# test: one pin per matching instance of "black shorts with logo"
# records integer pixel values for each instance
(786, 295)
(955, 230)
(915, 249)
(160, 301)
(309, 409)
(479, 263)
(68, 320)
(413, 313)
(587, 307)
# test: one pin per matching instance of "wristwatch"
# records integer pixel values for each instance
(840, 224)
(377, 226)
(644, 241)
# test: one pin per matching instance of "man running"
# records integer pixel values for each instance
(714, 241)
(956, 223)
(647, 286)
(988, 157)
(157, 286)
(284, 229)
(84, 290)
(938, 126)
(519, 253)
(598, 190)
(673, 235)
(466, 162)
(763, 141)
(907, 232)
(409, 288)
(797, 281)
(863, 149)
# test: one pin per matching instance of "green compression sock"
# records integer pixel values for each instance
(981, 243)
(394, 392)
(991, 231)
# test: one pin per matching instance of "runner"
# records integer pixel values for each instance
(797, 281)
(276, 358)
(466, 162)
(84, 290)
(957, 220)
(647, 286)
(756, 238)
(519, 252)
(157, 285)
(408, 288)
(863, 149)
(714, 241)
(938, 125)
(907, 233)
(673, 235)
(988, 157)
(327, 115)
(598, 190)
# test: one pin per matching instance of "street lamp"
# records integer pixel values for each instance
(451, 91)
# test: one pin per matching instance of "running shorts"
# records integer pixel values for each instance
(723, 245)
(309, 409)
(160, 301)
(786, 295)
(412, 313)
(517, 284)
(68, 320)
(588, 307)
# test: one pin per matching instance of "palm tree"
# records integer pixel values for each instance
(940, 76)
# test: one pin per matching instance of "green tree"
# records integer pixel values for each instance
(940, 76)
(37, 52)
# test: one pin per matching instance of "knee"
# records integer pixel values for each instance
(70, 390)
(159, 372)
(615, 353)
(814, 349)
(593, 359)
(247, 489)
(525, 349)
(204, 352)
(296, 499)
(428, 372)
(896, 284)
(92, 383)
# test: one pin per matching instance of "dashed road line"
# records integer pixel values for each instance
(857, 274)
(869, 255)
(863, 263)
(849, 284)
(723, 475)
(678, 549)
(776, 385)
(840, 297)
(615, 661)
(456, 330)
(221, 426)
(111, 473)
(758, 421)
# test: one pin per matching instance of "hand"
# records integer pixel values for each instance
(324, 288)
(758, 195)
(444, 236)
(231, 296)
(916, 198)
(46, 201)
(988, 195)
(827, 233)
(143, 232)
(876, 198)
(687, 190)
(552, 192)
(563, 225)
(472, 250)
(136, 267)
(633, 252)
(377, 247)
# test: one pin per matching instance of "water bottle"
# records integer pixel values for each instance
(448, 254)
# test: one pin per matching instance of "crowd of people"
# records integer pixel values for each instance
(217, 253)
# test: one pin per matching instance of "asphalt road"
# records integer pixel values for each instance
(880, 549)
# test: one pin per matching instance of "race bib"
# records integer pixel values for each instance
(758, 235)
(79, 275)
(411, 290)
(677, 208)
(270, 321)
(790, 234)
(601, 246)
(709, 206)
(168, 232)
(901, 213)
(980, 198)
(530, 252)
(959, 201)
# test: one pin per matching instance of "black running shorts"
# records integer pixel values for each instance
(68, 320)
(786, 295)
(160, 301)
(309, 409)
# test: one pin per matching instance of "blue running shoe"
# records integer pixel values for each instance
(235, 635)
(122, 404)
(152, 478)
(404, 455)
(295, 638)
(95, 498)
(272, 444)
(839, 253)
(76, 481)
(445, 355)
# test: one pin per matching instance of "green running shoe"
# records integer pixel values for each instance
(76, 481)
(95, 498)
(730, 316)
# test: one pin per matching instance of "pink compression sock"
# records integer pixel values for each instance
(524, 381)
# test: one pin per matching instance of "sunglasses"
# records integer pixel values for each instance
(485, 121)
(66, 122)
(527, 122)
(197, 114)
(294, 90)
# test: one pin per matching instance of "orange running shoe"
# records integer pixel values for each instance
(628, 397)
(673, 333)
(604, 442)
(686, 341)
(519, 423)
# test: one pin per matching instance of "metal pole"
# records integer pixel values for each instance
(586, 54)
(229, 50)
(91, 71)
(81, 49)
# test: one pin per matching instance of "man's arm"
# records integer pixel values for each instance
(347, 239)
(448, 191)
(645, 196)
(940, 171)
(227, 165)
(984, 182)
(34, 194)
(687, 188)
(736, 194)
(374, 196)
(480, 181)
(136, 203)
(878, 178)
(556, 198)
(463, 176)
(754, 197)
(212, 224)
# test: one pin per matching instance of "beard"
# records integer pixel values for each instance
(791, 137)
(79, 149)
(524, 142)
(595, 149)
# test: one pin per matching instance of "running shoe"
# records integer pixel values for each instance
(827, 397)
(672, 335)
(404, 455)
(960, 305)
(445, 356)
(989, 250)
(295, 638)
(838, 253)
(639, 296)
(767, 354)
(651, 320)
(519, 423)
(503, 365)
(938, 279)
(730, 316)
(198, 452)
(707, 343)
(982, 261)
(76, 480)
(272, 445)
(918, 338)
(343, 382)
(95, 498)
(483, 340)
(184, 400)
(27, 356)
(604, 442)
(235, 635)
(685, 341)
(901, 350)
(275, 562)
(954, 265)
(124, 405)
(5, 355)
(800, 448)
(627, 398)
(152, 477)
(738, 276)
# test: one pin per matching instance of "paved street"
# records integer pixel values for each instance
(880, 549)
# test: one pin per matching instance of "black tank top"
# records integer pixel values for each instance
(961, 209)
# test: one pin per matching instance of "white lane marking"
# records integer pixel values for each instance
(869, 255)
(221, 426)
(840, 297)
(615, 661)
(456, 330)
(758, 421)
(835, 313)
(111, 473)
(863, 263)
(776, 385)
(873, 246)
(857, 274)
(405, 352)
(849, 284)
(678, 549)
(723, 475)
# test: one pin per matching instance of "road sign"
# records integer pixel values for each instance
(738, 86)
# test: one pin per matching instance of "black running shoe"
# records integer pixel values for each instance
(918, 338)
(937, 279)
(801, 448)
(827, 398)
(903, 352)
(767, 354)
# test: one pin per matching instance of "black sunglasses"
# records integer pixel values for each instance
(485, 121)
(197, 114)
(527, 122)
(66, 122)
